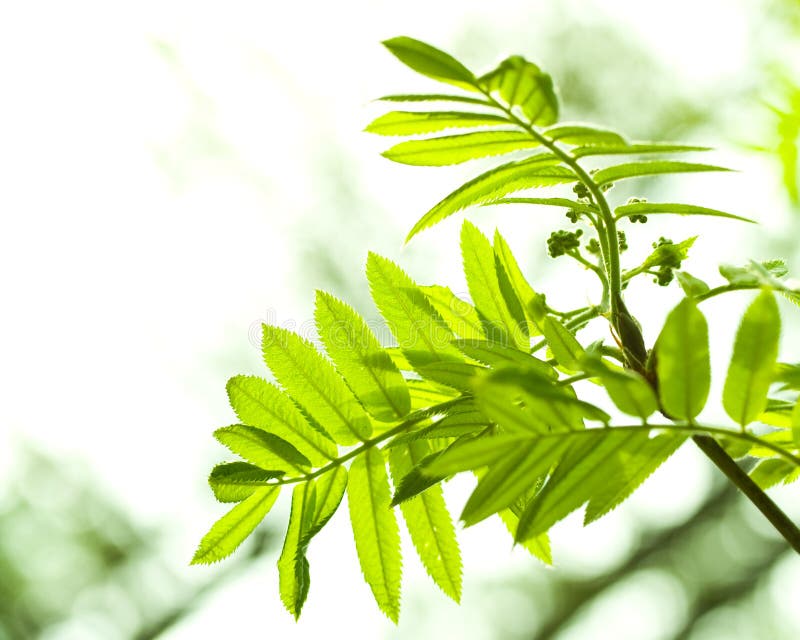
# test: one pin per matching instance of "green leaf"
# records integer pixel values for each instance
(474, 453)
(375, 530)
(459, 315)
(691, 286)
(668, 254)
(650, 208)
(755, 353)
(536, 171)
(770, 472)
(789, 375)
(262, 449)
(682, 362)
(512, 476)
(426, 393)
(431, 62)
(420, 331)
(629, 391)
(293, 571)
(447, 150)
(235, 481)
(633, 467)
(634, 148)
(232, 528)
(500, 323)
(584, 135)
(523, 291)
(499, 355)
(358, 356)
(589, 465)
(550, 202)
(458, 375)
(566, 349)
(451, 426)
(412, 123)
(538, 547)
(260, 404)
(330, 488)
(429, 523)
(311, 380)
(523, 84)
(434, 97)
(796, 424)
(636, 169)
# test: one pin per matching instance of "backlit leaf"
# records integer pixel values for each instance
(375, 530)
(429, 523)
(755, 352)
(293, 570)
(683, 362)
(636, 169)
(235, 481)
(524, 85)
(311, 380)
(262, 449)
(650, 208)
(431, 62)
(447, 150)
(411, 123)
(358, 356)
(232, 528)
(537, 171)
(582, 134)
(459, 315)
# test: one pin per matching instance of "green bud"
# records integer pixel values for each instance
(593, 246)
(561, 242)
(622, 240)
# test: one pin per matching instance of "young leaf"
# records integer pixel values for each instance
(633, 467)
(523, 84)
(507, 264)
(636, 169)
(314, 383)
(431, 62)
(235, 481)
(634, 148)
(429, 523)
(500, 323)
(458, 375)
(358, 356)
(375, 530)
(412, 123)
(691, 286)
(459, 315)
(293, 571)
(536, 171)
(451, 426)
(771, 471)
(232, 528)
(260, 404)
(566, 349)
(426, 393)
(466, 455)
(262, 449)
(682, 362)
(629, 391)
(420, 331)
(650, 208)
(447, 150)
(583, 207)
(589, 466)
(584, 135)
(754, 356)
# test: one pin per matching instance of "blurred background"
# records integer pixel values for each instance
(175, 173)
